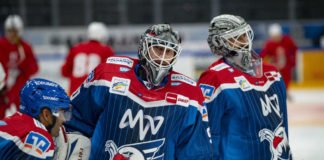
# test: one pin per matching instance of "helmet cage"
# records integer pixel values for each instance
(160, 61)
(231, 39)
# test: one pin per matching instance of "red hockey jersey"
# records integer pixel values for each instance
(19, 64)
(82, 59)
(23, 137)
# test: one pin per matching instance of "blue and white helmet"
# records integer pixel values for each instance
(40, 93)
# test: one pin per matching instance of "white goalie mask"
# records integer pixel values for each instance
(158, 51)
(231, 37)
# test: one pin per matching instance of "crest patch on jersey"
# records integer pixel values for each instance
(119, 86)
(243, 83)
(182, 78)
(37, 142)
(120, 61)
(207, 90)
(177, 99)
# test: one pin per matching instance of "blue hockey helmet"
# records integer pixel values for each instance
(40, 93)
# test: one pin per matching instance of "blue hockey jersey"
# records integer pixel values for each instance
(124, 117)
(23, 137)
(247, 115)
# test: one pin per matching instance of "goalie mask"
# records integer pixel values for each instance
(231, 37)
(158, 51)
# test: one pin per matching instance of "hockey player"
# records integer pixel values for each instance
(84, 57)
(28, 134)
(18, 61)
(246, 107)
(140, 108)
(281, 51)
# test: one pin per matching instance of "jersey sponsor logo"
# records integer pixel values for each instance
(46, 83)
(124, 69)
(182, 78)
(207, 90)
(50, 98)
(204, 113)
(220, 67)
(175, 83)
(143, 150)
(270, 103)
(120, 61)
(37, 142)
(153, 123)
(278, 142)
(243, 83)
(119, 86)
(272, 76)
(177, 99)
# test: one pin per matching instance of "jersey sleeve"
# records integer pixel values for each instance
(88, 103)
(35, 146)
(216, 104)
(284, 102)
(194, 142)
(66, 69)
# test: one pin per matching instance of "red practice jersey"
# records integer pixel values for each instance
(19, 64)
(281, 54)
(82, 59)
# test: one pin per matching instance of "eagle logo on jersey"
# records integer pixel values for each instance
(135, 151)
(278, 141)
(37, 142)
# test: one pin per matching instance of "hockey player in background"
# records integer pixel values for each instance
(245, 99)
(140, 108)
(2, 78)
(28, 134)
(280, 50)
(84, 57)
(19, 63)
